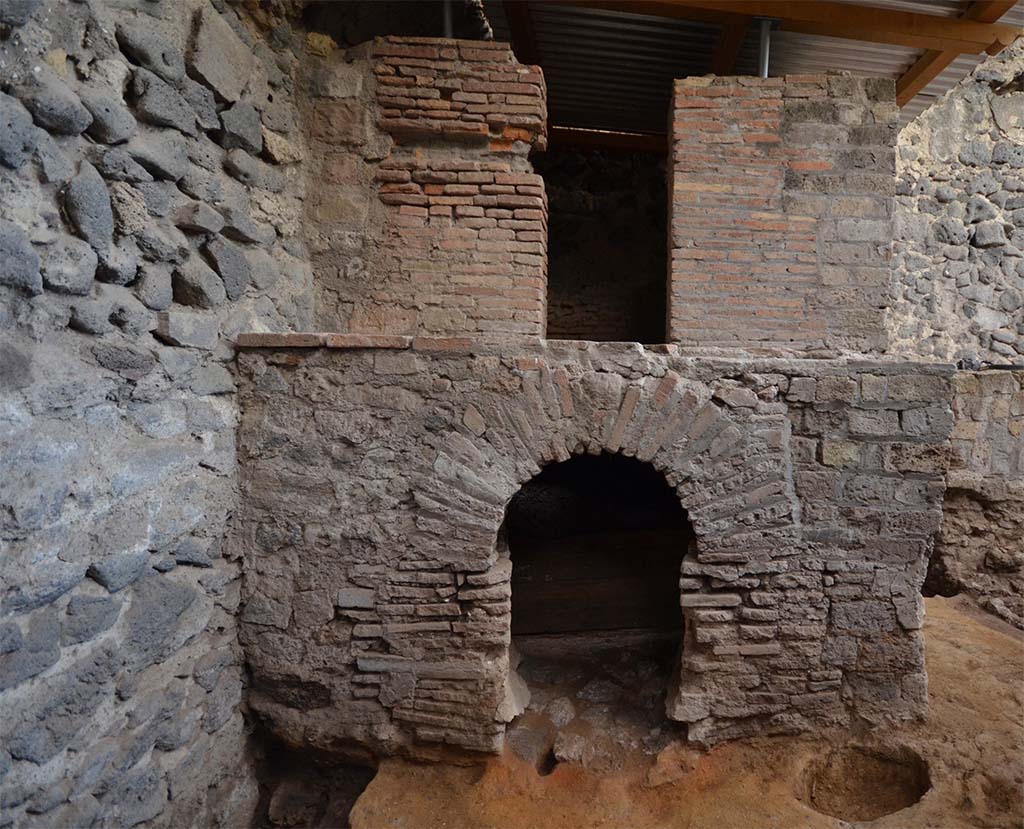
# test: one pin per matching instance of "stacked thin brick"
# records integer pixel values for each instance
(464, 247)
(449, 89)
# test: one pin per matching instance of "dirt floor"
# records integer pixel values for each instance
(963, 767)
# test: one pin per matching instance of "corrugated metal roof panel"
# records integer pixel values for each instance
(613, 70)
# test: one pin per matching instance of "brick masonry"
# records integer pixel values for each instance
(378, 461)
(170, 179)
(378, 604)
(781, 211)
(453, 237)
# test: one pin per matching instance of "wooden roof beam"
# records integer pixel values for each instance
(930, 65)
(831, 18)
(520, 28)
(729, 44)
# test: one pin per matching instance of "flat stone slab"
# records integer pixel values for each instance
(300, 339)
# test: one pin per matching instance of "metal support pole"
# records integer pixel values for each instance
(766, 42)
(449, 31)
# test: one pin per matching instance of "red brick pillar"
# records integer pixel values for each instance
(781, 211)
(463, 250)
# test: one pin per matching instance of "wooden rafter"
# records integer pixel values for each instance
(933, 61)
(729, 44)
(834, 19)
(520, 27)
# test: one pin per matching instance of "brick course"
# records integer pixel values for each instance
(457, 89)
(449, 226)
(781, 205)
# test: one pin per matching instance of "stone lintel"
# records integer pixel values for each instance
(318, 339)
(760, 360)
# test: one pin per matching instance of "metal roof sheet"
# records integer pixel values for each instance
(614, 70)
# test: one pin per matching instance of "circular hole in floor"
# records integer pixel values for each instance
(547, 765)
(859, 783)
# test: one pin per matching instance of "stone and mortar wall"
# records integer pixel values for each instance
(980, 549)
(958, 269)
(426, 217)
(150, 203)
(781, 211)
(376, 473)
(153, 171)
(959, 233)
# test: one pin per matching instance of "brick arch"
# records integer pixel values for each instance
(728, 473)
(729, 478)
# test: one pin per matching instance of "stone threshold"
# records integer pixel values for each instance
(327, 339)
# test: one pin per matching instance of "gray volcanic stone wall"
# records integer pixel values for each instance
(376, 472)
(149, 203)
(959, 226)
(958, 269)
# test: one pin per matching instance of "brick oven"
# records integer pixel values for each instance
(382, 459)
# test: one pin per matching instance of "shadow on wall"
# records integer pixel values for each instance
(300, 789)
(607, 244)
(350, 22)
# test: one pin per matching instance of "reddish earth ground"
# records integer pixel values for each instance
(972, 747)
